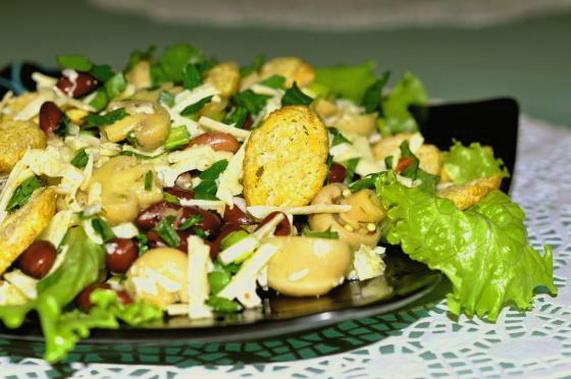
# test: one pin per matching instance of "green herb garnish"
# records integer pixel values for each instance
(223, 305)
(177, 138)
(191, 77)
(149, 180)
(294, 96)
(350, 166)
(237, 117)
(191, 221)
(167, 233)
(250, 100)
(80, 159)
(102, 72)
(115, 85)
(338, 138)
(329, 234)
(274, 81)
(192, 109)
(103, 229)
(23, 192)
(75, 62)
(373, 95)
(106, 119)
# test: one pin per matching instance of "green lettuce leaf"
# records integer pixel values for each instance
(466, 163)
(484, 251)
(350, 82)
(83, 264)
(409, 91)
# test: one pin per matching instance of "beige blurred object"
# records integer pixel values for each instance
(325, 14)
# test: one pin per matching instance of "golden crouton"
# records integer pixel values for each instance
(293, 69)
(225, 77)
(22, 227)
(467, 194)
(285, 159)
(430, 159)
(16, 137)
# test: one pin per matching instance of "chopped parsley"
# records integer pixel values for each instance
(250, 100)
(338, 138)
(177, 138)
(106, 119)
(223, 305)
(329, 234)
(142, 243)
(115, 85)
(102, 229)
(414, 172)
(350, 166)
(191, 221)
(23, 192)
(80, 159)
(191, 77)
(102, 72)
(294, 96)
(192, 109)
(75, 62)
(372, 97)
(274, 81)
(237, 117)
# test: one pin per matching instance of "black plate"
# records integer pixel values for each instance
(490, 122)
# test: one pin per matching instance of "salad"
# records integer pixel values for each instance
(183, 185)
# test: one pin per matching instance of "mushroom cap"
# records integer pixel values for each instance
(308, 266)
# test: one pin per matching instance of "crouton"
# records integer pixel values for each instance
(16, 137)
(467, 194)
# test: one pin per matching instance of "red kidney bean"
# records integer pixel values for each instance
(155, 240)
(121, 253)
(50, 117)
(37, 260)
(217, 141)
(183, 245)
(283, 228)
(210, 222)
(236, 216)
(151, 216)
(82, 85)
(337, 173)
(248, 122)
(124, 297)
(224, 231)
(83, 300)
(180, 193)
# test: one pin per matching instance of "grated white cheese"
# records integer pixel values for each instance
(229, 181)
(33, 107)
(211, 124)
(367, 263)
(43, 81)
(125, 230)
(19, 173)
(243, 284)
(261, 211)
(24, 283)
(58, 226)
(198, 287)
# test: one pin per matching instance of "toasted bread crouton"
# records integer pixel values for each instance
(22, 227)
(467, 194)
(225, 77)
(285, 159)
(293, 69)
(16, 137)
(430, 159)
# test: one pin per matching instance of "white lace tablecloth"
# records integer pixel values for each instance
(537, 344)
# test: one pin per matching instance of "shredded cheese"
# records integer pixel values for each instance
(229, 181)
(198, 288)
(211, 124)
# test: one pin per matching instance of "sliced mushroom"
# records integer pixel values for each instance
(357, 227)
(160, 276)
(308, 266)
(147, 122)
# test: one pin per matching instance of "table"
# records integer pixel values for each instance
(424, 341)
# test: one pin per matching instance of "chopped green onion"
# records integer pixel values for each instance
(115, 85)
(274, 81)
(201, 233)
(178, 137)
(80, 159)
(192, 77)
(192, 109)
(223, 305)
(142, 243)
(191, 221)
(166, 98)
(233, 238)
(106, 119)
(103, 229)
(338, 138)
(63, 124)
(294, 96)
(23, 192)
(136, 56)
(149, 180)
(329, 234)
(366, 182)
(389, 162)
(75, 62)
(218, 279)
(167, 233)
(171, 198)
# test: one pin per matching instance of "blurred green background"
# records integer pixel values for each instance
(529, 60)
